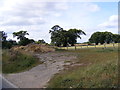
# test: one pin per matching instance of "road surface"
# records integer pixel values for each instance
(4, 83)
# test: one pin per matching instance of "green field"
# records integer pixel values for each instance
(99, 70)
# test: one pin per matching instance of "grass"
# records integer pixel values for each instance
(67, 61)
(14, 61)
(101, 73)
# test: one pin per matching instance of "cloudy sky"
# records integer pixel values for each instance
(38, 16)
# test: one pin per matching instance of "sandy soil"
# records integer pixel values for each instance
(38, 76)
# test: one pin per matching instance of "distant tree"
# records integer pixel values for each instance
(41, 41)
(116, 38)
(73, 34)
(6, 44)
(63, 37)
(56, 35)
(95, 38)
(56, 28)
(13, 42)
(31, 40)
(3, 40)
(26, 41)
(108, 37)
(20, 35)
(3, 36)
(101, 37)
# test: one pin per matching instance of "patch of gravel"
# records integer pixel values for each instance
(38, 76)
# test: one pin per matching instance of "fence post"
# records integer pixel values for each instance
(67, 47)
(75, 47)
(113, 45)
(95, 45)
(104, 45)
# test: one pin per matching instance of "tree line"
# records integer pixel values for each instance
(21, 36)
(104, 37)
(59, 37)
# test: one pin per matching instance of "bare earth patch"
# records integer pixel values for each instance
(38, 76)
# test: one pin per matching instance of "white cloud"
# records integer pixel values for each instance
(90, 7)
(110, 25)
(23, 21)
(38, 16)
(62, 6)
(22, 12)
(31, 15)
(112, 22)
(57, 14)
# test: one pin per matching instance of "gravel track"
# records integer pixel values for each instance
(38, 76)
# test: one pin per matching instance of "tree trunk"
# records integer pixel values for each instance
(72, 44)
(64, 45)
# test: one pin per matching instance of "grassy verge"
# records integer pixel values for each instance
(101, 73)
(14, 61)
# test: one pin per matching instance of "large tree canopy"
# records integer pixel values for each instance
(60, 37)
(102, 37)
(73, 34)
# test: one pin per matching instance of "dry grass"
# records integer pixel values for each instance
(34, 48)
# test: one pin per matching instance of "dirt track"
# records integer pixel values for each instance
(38, 76)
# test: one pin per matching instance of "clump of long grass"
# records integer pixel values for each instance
(15, 61)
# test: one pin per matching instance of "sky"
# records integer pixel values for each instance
(38, 16)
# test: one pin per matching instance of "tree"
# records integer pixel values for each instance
(101, 37)
(116, 38)
(26, 41)
(3, 36)
(6, 44)
(61, 37)
(3, 40)
(56, 35)
(41, 41)
(96, 37)
(108, 37)
(9, 43)
(20, 35)
(73, 34)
